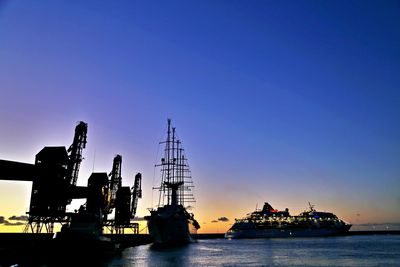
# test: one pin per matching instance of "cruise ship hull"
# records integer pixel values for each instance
(281, 233)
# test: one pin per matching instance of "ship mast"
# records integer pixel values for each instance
(175, 174)
(173, 200)
(168, 173)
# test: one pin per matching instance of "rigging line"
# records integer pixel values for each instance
(154, 169)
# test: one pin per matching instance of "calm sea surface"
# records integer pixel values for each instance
(331, 251)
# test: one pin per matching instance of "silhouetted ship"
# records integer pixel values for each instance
(268, 222)
(171, 223)
(85, 234)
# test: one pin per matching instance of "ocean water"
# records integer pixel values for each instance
(329, 251)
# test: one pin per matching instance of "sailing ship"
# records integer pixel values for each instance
(269, 222)
(170, 222)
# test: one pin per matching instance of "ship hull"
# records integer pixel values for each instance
(284, 233)
(169, 234)
(169, 225)
(87, 244)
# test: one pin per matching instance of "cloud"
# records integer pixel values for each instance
(223, 219)
(18, 218)
(7, 223)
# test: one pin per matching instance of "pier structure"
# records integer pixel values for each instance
(54, 178)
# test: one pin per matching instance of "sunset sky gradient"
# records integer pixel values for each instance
(278, 101)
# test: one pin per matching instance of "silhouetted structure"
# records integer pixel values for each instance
(49, 190)
(126, 205)
(170, 223)
(54, 176)
(75, 156)
(115, 184)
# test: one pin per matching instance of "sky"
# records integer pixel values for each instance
(286, 102)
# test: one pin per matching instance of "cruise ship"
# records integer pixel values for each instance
(269, 223)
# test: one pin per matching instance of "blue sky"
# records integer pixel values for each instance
(279, 101)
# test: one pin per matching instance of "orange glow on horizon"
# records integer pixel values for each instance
(15, 198)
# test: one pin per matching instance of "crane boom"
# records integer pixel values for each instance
(115, 182)
(136, 194)
(75, 153)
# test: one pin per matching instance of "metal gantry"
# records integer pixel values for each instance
(54, 176)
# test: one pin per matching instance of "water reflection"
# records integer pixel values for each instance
(334, 251)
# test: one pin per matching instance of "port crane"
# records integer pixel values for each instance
(125, 208)
(121, 199)
(136, 194)
(54, 177)
(75, 154)
(115, 182)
